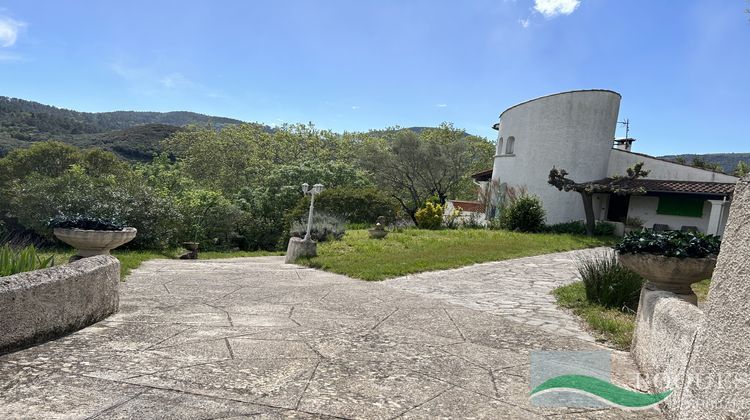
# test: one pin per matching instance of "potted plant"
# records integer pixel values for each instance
(90, 235)
(633, 224)
(192, 246)
(378, 232)
(670, 260)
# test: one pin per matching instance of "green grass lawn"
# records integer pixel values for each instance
(612, 326)
(608, 325)
(417, 250)
(132, 259)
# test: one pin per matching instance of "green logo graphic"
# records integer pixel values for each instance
(600, 390)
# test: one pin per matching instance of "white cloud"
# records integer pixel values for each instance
(441, 105)
(9, 30)
(10, 57)
(524, 23)
(176, 81)
(552, 8)
(355, 107)
(149, 81)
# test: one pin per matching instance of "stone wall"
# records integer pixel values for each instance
(44, 304)
(704, 356)
(718, 373)
(665, 331)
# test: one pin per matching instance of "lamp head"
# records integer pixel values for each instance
(305, 188)
(317, 188)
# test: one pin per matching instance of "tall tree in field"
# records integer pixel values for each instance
(618, 185)
(414, 166)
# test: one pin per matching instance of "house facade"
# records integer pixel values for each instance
(575, 131)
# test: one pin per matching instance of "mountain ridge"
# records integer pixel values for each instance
(136, 135)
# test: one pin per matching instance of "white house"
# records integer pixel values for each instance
(575, 131)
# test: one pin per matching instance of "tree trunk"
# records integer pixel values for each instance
(588, 207)
(412, 215)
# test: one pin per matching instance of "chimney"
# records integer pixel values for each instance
(624, 144)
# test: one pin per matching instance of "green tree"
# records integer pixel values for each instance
(224, 160)
(412, 166)
(699, 162)
(741, 169)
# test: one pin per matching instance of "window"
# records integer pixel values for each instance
(680, 206)
(500, 146)
(509, 146)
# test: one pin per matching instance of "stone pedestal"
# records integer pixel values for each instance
(299, 247)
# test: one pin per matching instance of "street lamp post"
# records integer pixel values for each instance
(305, 247)
(316, 189)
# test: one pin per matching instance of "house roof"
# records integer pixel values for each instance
(472, 206)
(485, 175)
(557, 94)
(669, 161)
(677, 187)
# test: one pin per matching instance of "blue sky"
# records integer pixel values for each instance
(682, 67)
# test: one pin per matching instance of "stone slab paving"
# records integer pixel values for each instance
(254, 338)
(518, 289)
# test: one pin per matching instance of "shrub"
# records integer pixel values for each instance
(324, 228)
(608, 283)
(634, 222)
(670, 244)
(355, 205)
(578, 227)
(37, 199)
(472, 221)
(263, 224)
(400, 225)
(27, 259)
(604, 229)
(524, 214)
(453, 220)
(430, 216)
(207, 217)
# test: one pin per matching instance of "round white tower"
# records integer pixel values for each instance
(570, 130)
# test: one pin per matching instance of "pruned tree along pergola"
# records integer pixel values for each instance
(618, 185)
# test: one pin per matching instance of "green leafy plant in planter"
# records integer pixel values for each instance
(671, 260)
(670, 244)
(90, 235)
(78, 221)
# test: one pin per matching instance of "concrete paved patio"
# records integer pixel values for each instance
(252, 337)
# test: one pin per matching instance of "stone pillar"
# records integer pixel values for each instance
(717, 378)
(714, 219)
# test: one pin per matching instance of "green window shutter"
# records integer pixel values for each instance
(679, 206)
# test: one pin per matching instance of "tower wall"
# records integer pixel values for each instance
(571, 130)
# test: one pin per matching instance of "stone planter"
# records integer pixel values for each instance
(192, 248)
(671, 274)
(377, 233)
(94, 242)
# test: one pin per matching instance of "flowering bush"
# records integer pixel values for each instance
(430, 216)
